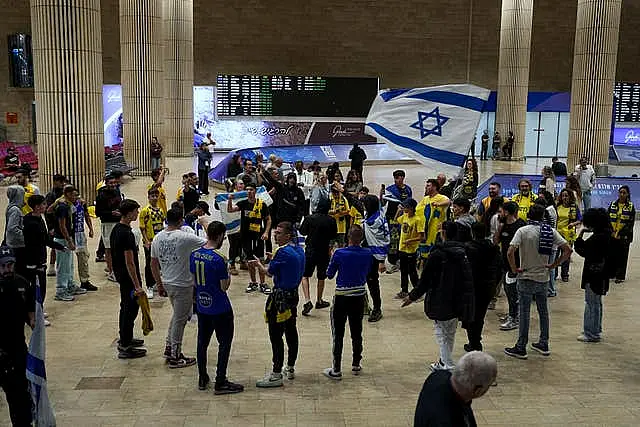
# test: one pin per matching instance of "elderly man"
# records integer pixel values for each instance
(445, 399)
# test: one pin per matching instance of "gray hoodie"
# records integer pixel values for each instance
(13, 231)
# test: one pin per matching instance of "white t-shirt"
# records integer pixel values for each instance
(526, 240)
(173, 249)
(586, 177)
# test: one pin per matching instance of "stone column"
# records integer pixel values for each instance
(142, 82)
(178, 77)
(513, 71)
(67, 55)
(594, 71)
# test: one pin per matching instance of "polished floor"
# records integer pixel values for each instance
(579, 384)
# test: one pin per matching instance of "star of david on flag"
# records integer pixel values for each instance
(433, 125)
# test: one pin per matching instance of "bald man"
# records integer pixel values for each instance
(445, 399)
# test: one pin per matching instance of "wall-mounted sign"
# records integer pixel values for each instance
(12, 118)
(626, 136)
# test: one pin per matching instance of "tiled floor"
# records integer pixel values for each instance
(596, 384)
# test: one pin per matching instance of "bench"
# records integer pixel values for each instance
(116, 162)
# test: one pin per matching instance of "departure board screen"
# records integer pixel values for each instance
(628, 102)
(301, 96)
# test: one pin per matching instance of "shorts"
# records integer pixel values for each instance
(252, 245)
(105, 230)
(316, 260)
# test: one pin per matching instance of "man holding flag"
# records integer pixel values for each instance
(17, 305)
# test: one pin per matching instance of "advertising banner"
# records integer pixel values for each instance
(626, 136)
(604, 192)
(339, 133)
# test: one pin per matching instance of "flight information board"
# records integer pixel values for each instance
(628, 102)
(301, 96)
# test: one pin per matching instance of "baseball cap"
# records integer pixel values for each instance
(410, 203)
(6, 255)
(204, 206)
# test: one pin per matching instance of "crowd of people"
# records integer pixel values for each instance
(457, 252)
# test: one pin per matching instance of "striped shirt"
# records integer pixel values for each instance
(352, 265)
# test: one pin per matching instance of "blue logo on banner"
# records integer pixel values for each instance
(435, 130)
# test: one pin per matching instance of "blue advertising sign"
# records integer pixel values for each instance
(626, 136)
(604, 192)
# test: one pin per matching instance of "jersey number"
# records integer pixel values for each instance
(200, 276)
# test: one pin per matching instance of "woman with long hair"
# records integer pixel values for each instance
(622, 215)
(470, 180)
(569, 217)
(548, 181)
(573, 185)
(595, 273)
(353, 184)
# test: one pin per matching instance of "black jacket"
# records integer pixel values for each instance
(107, 201)
(598, 267)
(17, 299)
(485, 261)
(559, 169)
(36, 240)
(447, 282)
(289, 200)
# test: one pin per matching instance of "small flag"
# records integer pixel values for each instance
(433, 125)
(43, 414)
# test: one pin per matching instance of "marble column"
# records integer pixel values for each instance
(178, 77)
(67, 55)
(142, 81)
(594, 71)
(513, 71)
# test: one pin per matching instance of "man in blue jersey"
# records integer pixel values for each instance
(352, 265)
(286, 268)
(215, 314)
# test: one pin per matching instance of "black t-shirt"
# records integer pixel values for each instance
(122, 239)
(246, 208)
(439, 405)
(191, 197)
(559, 169)
(63, 210)
(12, 160)
(485, 139)
(16, 300)
(319, 229)
(508, 231)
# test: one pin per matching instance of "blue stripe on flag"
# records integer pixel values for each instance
(391, 94)
(36, 366)
(233, 224)
(451, 98)
(379, 250)
(442, 156)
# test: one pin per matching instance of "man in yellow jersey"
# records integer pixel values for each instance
(494, 191)
(525, 198)
(151, 223)
(157, 176)
(339, 210)
(434, 208)
(22, 177)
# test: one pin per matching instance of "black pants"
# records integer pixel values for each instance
(347, 308)
(290, 331)
(621, 251)
(203, 180)
(483, 151)
(21, 261)
(148, 274)
(307, 207)
(474, 329)
(13, 381)
(373, 283)
(408, 270)
(39, 273)
(101, 250)
(128, 312)
(222, 325)
(235, 247)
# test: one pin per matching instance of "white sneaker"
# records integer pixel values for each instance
(46, 315)
(331, 374)
(509, 325)
(150, 293)
(111, 277)
(289, 372)
(47, 323)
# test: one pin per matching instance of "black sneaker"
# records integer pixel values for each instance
(88, 286)
(469, 347)
(227, 387)
(322, 304)
(203, 383)
(306, 308)
(543, 349)
(167, 352)
(375, 315)
(252, 287)
(181, 362)
(135, 342)
(516, 352)
(100, 259)
(131, 353)
(265, 289)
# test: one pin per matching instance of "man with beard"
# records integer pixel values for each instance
(434, 207)
(494, 191)
(17, 305)
(525, 198)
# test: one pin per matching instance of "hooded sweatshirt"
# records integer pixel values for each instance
(13, 230)
(464, 223)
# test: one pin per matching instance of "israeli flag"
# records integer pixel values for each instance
(43, 414)
(433, 125)
(232, 220)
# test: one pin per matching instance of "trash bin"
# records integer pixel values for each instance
(602, 169)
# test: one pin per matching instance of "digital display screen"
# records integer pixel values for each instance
(301, 96)
(628, 102)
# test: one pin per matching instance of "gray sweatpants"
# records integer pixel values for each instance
(182, 302)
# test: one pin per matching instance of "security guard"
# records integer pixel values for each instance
(17, 305)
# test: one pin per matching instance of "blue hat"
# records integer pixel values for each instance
(6, 255)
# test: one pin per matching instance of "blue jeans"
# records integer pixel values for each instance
(527, 289)
(586, 200)
(592, 314)
(155, 163)
(64, 269)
